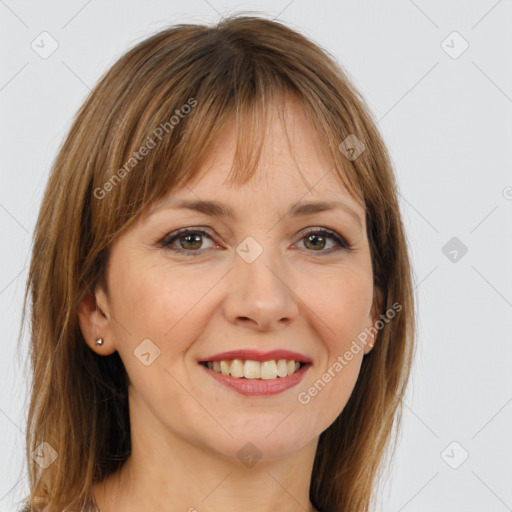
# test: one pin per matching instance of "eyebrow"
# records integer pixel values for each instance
(217, 209)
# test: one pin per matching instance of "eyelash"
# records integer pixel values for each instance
(172, 237)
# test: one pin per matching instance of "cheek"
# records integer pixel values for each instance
(160, 303)
(342, 306)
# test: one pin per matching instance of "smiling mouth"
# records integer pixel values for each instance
(250, 369)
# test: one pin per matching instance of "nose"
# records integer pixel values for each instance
(260, 295)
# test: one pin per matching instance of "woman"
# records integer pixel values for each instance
(222, 304)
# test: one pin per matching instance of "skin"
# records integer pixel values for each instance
(186, 427)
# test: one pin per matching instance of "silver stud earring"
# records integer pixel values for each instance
(99, 341)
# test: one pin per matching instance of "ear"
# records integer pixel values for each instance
(95, 321)
(374, 315)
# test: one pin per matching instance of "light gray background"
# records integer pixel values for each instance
(447, 122)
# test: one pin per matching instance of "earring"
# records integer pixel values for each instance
(99, 341)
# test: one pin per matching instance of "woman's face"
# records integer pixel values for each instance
(256, 281)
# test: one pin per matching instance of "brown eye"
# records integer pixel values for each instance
(189, 241)
(192, 241)
(316, 240)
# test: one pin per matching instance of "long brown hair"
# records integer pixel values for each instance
(100, 185)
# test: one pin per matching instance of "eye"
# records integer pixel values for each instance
(189, 241)
(316, 239)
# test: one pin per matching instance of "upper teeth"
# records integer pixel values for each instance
(255, 369)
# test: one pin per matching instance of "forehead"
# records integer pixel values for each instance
(276, 189)
(293, 161)
(293, 171)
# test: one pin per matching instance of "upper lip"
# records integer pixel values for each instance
(256, 355)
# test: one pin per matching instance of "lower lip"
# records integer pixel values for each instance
(259, 387)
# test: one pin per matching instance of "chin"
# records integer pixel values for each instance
(262, 440)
